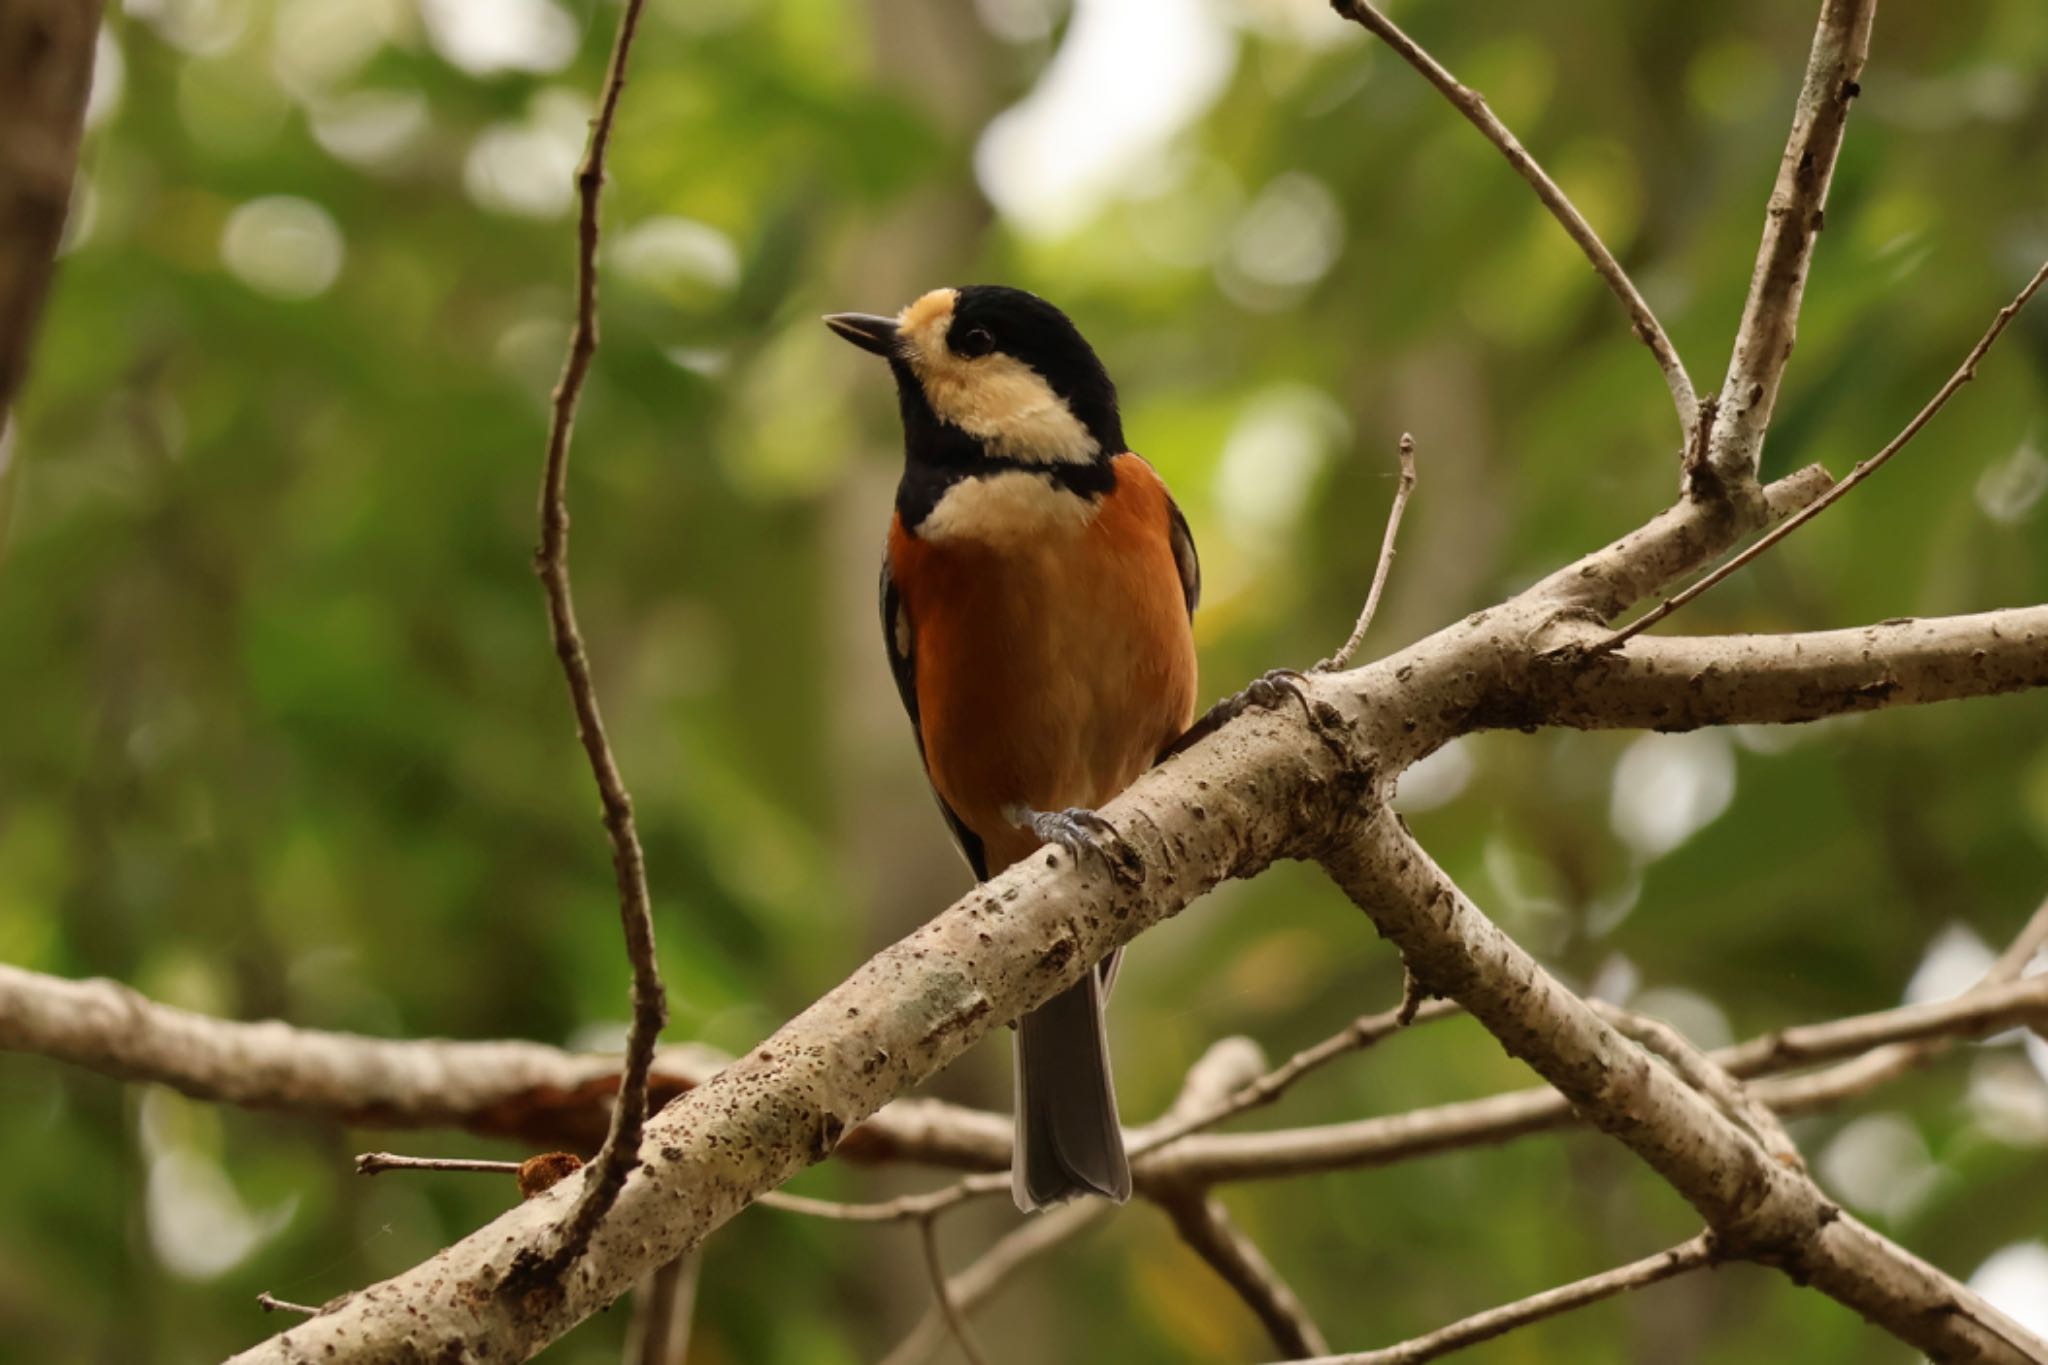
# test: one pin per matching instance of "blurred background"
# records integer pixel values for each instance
(281, 733)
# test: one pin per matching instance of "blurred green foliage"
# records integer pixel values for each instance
(280, 732)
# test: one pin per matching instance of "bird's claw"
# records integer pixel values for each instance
(1269, 691)
(1081, 831)
(1272, 689)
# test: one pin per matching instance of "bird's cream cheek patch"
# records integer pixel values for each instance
(1008, 509)
(997, 399)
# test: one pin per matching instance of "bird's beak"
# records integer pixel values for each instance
(865, 330)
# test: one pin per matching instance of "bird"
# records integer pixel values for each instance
(1038, 594)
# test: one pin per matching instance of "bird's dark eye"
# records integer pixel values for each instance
(973, 342)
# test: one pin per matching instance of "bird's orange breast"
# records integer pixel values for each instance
(1053, 664)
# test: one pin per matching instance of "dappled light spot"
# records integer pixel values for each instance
(201, 28)
(199, 1226)
(1283, 438)
(370, 127)
(675, 255)
(1880, 1164)
(1436, 780)
(1668, 788)
(2008, 1098)
(109, 80)
(283, 246)
(1617, 981)
(316, 46)
(485, 37)
(1130, 75)
(2015, 1280)
(1955, 961)
(1691, 1013)
(2009, 491)
(528, 169)
(1287, 239)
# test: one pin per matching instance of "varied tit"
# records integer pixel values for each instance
(1036, 599)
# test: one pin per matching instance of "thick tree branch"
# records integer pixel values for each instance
(1770, 315)
(1688, 1255)
(1473, 106)
(621, 1151)
(538, 1095)
(1757, 1207)
(1683, 683)
(46, 55)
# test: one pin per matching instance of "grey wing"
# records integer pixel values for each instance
(899, 640)
(1184, 557)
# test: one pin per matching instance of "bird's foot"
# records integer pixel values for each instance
(1081, 831)
(1268, 692)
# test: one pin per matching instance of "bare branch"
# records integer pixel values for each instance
(1685, 682)
(1758, 1208)
(903, 1208)
(1606, 583)
(662, 1308)
(1357, 1036)
(538, 1095)
(1708, 1077)
(1265, 785)
(1688, 1255)
(1473, 106)
(377, 1163)
(1386, 561)
(956, 1321)
(1963, 375)
(46, 55)
(1389, 1139)
(621, 1151)
(1027, 1241)
(270, 1303)
(1206, 1227)
(1770, 315)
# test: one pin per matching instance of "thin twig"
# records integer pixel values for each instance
(1379, 573)
(659, 1333)
(621, 1150)
(1963, 375)
(956, 1321)
(270, 1303)
(1011, 1252)
(895, 1210)
(1358, 1035)
(1413, 997)
(1777, 285)
(1473, 106)
(1690, 1255)
(376, 1163)
(1208, 1230)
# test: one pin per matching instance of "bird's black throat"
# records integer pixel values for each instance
(937, 455)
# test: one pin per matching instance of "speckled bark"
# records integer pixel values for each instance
(1770, 316)
(1267, 786)
(1759, 1208)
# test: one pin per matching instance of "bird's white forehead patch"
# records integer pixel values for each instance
(1007, 510)
(997, 399)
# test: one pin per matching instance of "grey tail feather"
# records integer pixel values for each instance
(1069, 1142)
